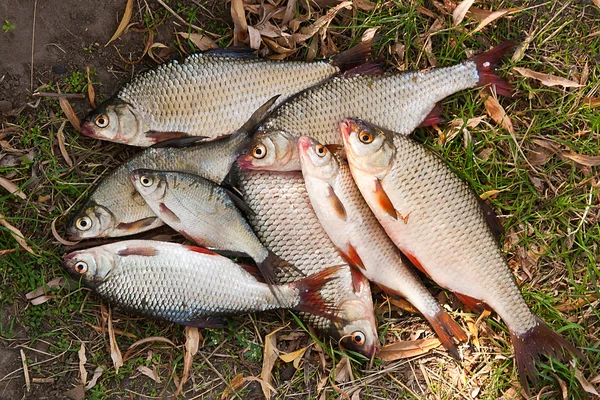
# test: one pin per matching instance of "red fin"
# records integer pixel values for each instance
(252, 270)
(311, 300)
(474, 304)
(411, 257)
(485, 68)
(352, 257)
(269, 265)
(157, 136)
(202, 250)
(434, 117)
(353, 57)
(358, 280)
(168, 213)
(447, 330)
(369, 68)
(137, 225)
(384, 201)
(539, 341)
(138, 251)
(338, 207)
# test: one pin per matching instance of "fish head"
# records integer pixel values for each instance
(317, 160)
(93, 221)
(367, 147)
(114, 120)
(150, 184)
(358, 331)
(92, 265)
(271, 150)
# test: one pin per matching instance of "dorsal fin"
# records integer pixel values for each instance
(233, 51)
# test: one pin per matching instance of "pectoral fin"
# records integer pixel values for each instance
(384, 201)
(336, 204)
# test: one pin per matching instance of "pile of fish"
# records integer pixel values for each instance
(306, 170)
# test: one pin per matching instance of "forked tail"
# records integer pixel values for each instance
(485, 68)
(539, 341)
(311, 299)
(447, 330)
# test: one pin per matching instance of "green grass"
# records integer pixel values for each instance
(550, 213)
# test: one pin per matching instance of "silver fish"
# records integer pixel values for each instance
(435, 219)
(184, 284)
(208, 95)
(398, 101)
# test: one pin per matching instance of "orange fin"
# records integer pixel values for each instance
(474, 304)
(338, 207)
(136, 226)
(539, 341)
(447, 330)
(202, 250)
(384, 201)
(358, 280)
(138, 251)
(168, 213)
(414, 261)
(352, 257)
(311, 299)
(157, 136)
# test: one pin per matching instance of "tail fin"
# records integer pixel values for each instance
(273, 263)
(434, 117)
(447, 330)
(485, 68)
(353, 57)
(539, 341)
(311, 299)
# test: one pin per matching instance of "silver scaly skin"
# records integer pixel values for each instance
(209, 95)
(178, 283)
(285, 222)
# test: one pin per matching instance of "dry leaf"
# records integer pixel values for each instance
(237, 382)
(596, 2)
(364, 5)
(254, 37)
(115, 353)
(240, 26)
(269, 357)
(595, 379)
(343, 371)
(16, 234)
(591, 101)
(82, 360)
(97, 374)
(588, 387)
(150, 373)
(324, 21)
(192, 340)
(575, 304)
(12, 188)
(289, 357)
(202, 42)
(403, 305)
(61, 144)
(41, 300)
(496, 111)
(90, 89)
(124, 21)
(461, 10)
(407, 349)
(492, 17)
(77, 393)
(521, 48)
(70, 113)
(546, 79)
(581, 159)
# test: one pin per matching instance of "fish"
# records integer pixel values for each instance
(203, 212)
(208, 95)
(398, 101)
(435, 219)
(285, 222)
(361, 240)
(115, 209)
(186, 285)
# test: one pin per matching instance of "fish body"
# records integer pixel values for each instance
(208, 95)
(184, 284)
(435, 218)
(285, 222)
(360, 238)
(398, 101)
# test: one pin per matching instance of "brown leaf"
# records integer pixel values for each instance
(496, 111)
(289, 357)
(269, 357)
(461, 10)
(124, 22)
(324, 21)
(595, 379)
(343, 371)
(591, 101)
(36, 296)
(403, 305)
(61, 144)
(407, 349)
(70, 113)
(16, 234)
(12, 188)
(522, 47)
(596, 2)
(581, 159)
(240, 26)
(192, 340)
(115, 353)
(575, 304)
(82, 360)
(546, 79)
(77, 393)
(254, 37)
(202, 42)
(90, 89)
(492, 17)
(150, 373)
(97, 374)
(364, 5)
(588, 387)
(237, 382)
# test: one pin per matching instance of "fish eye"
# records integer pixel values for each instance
(146, 181)
(365, 137)
(101, 121)
(83, 223)
(321, 150)
(259, 151)
(81, 267)
(358, 338)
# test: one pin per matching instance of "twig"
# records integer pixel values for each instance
(65, 95)
(25, 370)
(32, 44)
(169, 9)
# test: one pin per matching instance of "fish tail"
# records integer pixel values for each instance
(311, 299)
(447, 330)
(352, 57)
(539, 341)
(485, 68)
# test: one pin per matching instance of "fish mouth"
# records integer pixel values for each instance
(87, 130)
(68, 257)
(303, 144)
(346, 127)
(245, 161)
